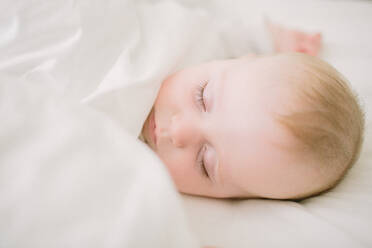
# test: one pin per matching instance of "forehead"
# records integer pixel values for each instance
(248, 95)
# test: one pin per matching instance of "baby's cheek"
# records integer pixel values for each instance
(182, 171)
(174, 166)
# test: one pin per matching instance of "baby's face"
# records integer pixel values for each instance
(213, 126)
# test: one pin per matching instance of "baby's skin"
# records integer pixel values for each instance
(290, 40)
(212, 125)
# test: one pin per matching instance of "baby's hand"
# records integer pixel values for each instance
(287, 40)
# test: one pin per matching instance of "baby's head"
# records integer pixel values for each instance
(283, 126)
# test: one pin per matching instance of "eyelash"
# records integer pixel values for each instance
(199, 95)
(202, 165)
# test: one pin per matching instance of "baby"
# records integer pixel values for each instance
(284, 126)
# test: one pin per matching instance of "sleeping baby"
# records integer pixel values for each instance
(282, 126)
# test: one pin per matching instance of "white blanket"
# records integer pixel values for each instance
(77, 79)
(71, 176)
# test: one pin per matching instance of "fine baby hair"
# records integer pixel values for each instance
(328, 121)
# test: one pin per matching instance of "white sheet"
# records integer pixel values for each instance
(79, 77)
(69, 175)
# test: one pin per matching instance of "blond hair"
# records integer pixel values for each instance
(329, 125)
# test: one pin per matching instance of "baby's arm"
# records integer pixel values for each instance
(289, 40)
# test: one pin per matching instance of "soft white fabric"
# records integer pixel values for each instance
(78, 79)
(69, 177)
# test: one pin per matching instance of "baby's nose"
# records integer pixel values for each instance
(181, 131)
